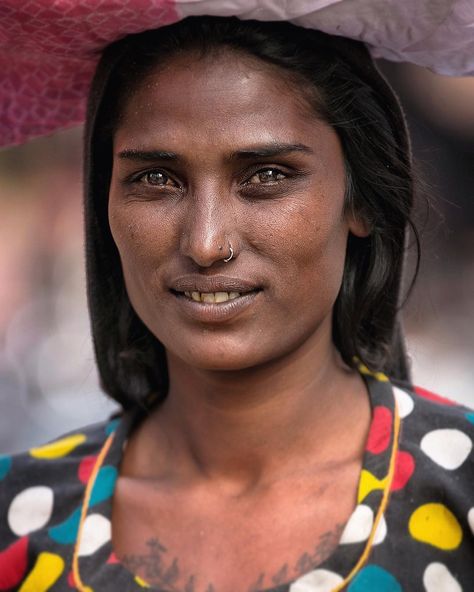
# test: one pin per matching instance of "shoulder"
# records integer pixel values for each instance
(55, 462)
(423, 411)
(41, 492)
(435, 459)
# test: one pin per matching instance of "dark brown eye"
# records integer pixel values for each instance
(267, 176)
(156, 178)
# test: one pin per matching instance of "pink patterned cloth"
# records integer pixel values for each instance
(49, 48)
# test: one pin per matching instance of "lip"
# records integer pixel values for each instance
(216, 313)
(215, 283)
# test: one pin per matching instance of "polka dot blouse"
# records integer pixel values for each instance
(411, 530)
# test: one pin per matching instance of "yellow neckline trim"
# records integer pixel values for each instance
(383, 505)
(85, 506)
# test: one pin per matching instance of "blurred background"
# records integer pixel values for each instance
(48, 380)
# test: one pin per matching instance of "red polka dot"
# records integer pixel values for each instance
(380, 430)
(70, 580)
(13, 562)
(85, 468)
(404, 468)
(113, 558)
(432, 396)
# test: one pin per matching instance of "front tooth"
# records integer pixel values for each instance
(208, 297)
(221, 296)
(234, 295)
(196, 296)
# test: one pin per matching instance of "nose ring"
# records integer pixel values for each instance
(231, 254)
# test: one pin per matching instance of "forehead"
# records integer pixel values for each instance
(220, 99)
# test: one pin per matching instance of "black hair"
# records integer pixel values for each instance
(350, 95)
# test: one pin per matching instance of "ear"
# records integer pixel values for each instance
(357, 225)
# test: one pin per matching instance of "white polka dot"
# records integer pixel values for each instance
(405, 403)
(319, 580)
(30, 510)
(470, 519)
(95, 533)
(359, 526)
(381, 532)
(447, 448)
(437, 578)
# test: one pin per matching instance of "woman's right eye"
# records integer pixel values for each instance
(155, 179)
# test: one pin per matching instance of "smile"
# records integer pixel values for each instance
(215, 307)
(212, 297)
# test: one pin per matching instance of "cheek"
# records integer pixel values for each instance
(125, 232)
(141, 244)
(308, 241)
(320, 265)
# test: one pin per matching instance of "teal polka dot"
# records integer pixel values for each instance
(104, 485)
(66, 532)
(5, 465)
(470, 417)
(374, 579)
(112, 426)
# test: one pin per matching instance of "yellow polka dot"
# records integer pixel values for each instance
(436, 525)
(369, 483)
(45, 573)
(141, 582)
(59, 448)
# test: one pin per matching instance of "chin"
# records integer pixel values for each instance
(228, 361)
(231, 356)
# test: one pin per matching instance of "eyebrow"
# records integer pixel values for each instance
(147, 155)
(269, 150)
(260, 151)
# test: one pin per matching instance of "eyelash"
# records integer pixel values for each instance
(265, 170)
(141, 176)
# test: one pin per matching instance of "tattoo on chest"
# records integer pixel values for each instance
(154, 569)
(326, 544)
(161, 571)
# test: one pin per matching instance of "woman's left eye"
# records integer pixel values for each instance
(266, 176)
(155, 179)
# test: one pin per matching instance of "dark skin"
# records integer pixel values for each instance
(244, 477)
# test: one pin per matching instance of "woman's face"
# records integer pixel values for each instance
(218, 151)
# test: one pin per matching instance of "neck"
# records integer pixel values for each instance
(245, 427)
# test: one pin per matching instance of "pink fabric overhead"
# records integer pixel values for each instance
(49, 48)
(48, 53)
